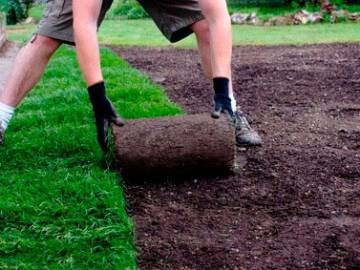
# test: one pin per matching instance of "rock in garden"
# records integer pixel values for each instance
(301, 17)
(315, 17)
(341, 13)
(354, 17)
(336, 18)
(270, 22)
(29, 20)
(339, 16)
(284, 20)
(239, 18)
(254, 20)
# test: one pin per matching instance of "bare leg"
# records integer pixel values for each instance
(28, 68)
(86, 14)
(218, 19)
(215, 48)
(202, 32)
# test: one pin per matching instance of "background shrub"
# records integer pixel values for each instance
(129, 9)
(16, 10)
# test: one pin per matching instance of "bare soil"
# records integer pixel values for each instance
(296, 202)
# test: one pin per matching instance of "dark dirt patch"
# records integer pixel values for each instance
(296, 203)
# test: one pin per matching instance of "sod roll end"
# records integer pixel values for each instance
(172, 146)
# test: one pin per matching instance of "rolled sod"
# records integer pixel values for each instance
(172, 146)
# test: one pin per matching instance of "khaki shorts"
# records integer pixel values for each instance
(173, 17)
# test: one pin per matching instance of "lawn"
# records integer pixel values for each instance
(145, 33)
(61, 207)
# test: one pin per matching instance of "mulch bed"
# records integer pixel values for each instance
(296, 202)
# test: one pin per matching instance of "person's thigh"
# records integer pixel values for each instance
(173, 17)
(57, 22)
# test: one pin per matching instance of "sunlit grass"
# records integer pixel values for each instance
(145, 33)
(60, 207)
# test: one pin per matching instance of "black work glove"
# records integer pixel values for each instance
(103, 123)
(105, 114)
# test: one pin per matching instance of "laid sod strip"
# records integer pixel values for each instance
(59, 207)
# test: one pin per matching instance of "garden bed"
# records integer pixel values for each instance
(295, 204)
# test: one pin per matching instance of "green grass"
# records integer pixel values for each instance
(145, 33)
(36, 11)
(60, 208)
(20, 33)
(297, 35)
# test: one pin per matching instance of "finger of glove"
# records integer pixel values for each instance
(118, 121)
(103, 134)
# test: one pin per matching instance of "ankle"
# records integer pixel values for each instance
(6, 113)
(221, 86)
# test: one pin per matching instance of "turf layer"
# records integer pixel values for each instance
(59, 207)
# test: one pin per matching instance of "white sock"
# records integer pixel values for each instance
(6, 113)
(233, 102)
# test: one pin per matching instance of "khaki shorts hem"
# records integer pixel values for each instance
(64, 37)
(182, 30)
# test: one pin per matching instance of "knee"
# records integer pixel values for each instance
(45, 44)
(202, 31)
(222, 18)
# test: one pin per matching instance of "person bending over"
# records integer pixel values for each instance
(76, 22)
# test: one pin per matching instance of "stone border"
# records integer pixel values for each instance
(297, 18)
(2, 29)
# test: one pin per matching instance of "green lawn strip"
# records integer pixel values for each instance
(36, 11)
(145, 34)
(59, 207)
(20, 32)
